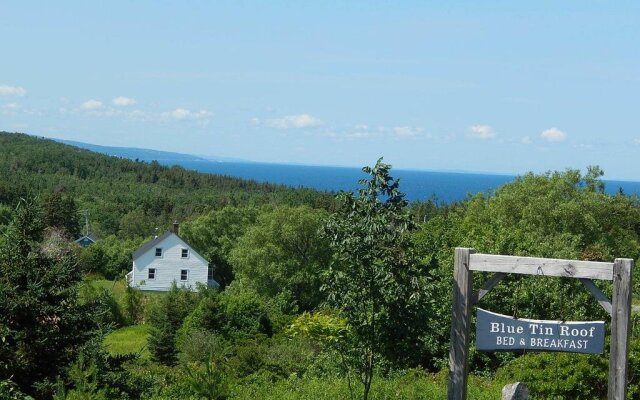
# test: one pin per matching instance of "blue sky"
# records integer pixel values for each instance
(477, 86)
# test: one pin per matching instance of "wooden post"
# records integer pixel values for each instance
(460, 324)
(620, 328)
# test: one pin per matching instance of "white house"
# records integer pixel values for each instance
(167, 259)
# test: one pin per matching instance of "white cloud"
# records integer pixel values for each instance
(12, 90)
(358, 135)
(406, 131)
(9, 109)
(553, 135)
(525, 140)
(184, 114)
(92, 105)
(294, 121)
(482, 132)
(122, 101)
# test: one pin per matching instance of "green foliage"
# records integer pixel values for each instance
(61, 211)
(10, 391)
(214, 235)
(6, 213)
(133, 308)
(322, 327)
(109, 256)
(559, 375)
(556, 215)
(569, 376)
(374, 279)
(208, 382)
(283, 252)
(409, 385)
(42, 324)
(198, 345)
(165, 317)
(83, 377)
(245, 314)
(106, 310)
(109, 186)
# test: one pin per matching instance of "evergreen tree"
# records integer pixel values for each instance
(61, 211)
(42, 325)
(166, 318)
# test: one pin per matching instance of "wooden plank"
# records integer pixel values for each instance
(487, 286)
(620, 328)
(542, 266)
(597, 293)
(460, 325)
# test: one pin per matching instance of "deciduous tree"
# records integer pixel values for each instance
(374, 279)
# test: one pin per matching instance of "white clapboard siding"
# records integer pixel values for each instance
(168, 266)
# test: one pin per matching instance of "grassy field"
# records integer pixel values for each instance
(130, 339)
(116, 288)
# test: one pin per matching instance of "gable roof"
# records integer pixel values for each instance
(151, 244)
(156, 241)
(89, 236)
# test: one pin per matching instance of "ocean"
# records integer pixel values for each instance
(418, 185)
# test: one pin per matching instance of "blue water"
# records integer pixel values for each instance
(418, 185)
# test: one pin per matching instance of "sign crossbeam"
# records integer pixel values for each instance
(619, 308)
(595, 291)
(487, 286)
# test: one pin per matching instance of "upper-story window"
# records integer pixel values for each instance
(158, 251)
(152, 274)
(185, 253)
(184, 275)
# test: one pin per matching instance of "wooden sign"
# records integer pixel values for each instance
(497, 332)
(561, 336)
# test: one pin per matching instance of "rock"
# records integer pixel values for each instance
(515, 391)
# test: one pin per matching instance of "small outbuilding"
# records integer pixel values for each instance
(86, 240)
(166, 259)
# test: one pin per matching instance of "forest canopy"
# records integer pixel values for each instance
(322, 297)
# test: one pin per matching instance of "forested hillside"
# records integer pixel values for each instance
(321, 298)
(125, 197)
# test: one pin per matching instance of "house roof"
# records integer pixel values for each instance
(89, 236)
(151, 244)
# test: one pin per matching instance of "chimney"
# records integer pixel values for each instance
(176, 227)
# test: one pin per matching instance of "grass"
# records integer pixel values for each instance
(413, 386)
(130, 339)
(116, 288)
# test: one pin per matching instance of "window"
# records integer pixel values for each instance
(158, 252)
(152, 273)
(210, 273)
(184, 275)
(185, 253)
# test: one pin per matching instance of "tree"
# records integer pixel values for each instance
(284, 253)
(374, 280)
(166, 317)
(42, 324)
(562, 214)
(61, 211)
(214, 235)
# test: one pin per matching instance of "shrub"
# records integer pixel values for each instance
(133, 306)
(559, 375)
